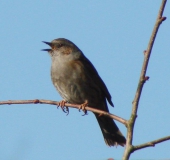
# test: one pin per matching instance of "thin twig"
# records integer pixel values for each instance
(142, 80)
(151, 143)
(100, 112)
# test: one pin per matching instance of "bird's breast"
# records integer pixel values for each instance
(73, 83)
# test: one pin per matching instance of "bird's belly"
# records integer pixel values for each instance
(77, 91)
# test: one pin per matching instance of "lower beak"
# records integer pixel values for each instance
(46, 50)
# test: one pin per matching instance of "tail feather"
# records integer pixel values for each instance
(111, 132)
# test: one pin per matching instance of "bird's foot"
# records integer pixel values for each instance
(63, 107)
(82, 107)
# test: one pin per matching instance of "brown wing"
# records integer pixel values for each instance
(90, 69)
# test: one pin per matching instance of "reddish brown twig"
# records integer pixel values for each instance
(151, 143)
(42, 101)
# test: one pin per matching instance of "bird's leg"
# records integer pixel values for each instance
(82, 107)
(63, 107)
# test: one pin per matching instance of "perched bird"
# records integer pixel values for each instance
(78, 82)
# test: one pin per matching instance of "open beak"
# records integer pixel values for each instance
(48, 43)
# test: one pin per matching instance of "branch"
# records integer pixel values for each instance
(150, 144)
(100, 112)
(142, 80)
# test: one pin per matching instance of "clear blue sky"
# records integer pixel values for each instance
(113, 35)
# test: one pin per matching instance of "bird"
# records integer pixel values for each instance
(78, 82)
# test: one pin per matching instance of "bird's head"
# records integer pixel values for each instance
(61, 47)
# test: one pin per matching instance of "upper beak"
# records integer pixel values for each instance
(48, 43)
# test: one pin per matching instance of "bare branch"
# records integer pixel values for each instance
(142, 80)
(100, 112)
(151, 143)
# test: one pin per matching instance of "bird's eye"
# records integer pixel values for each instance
(60, 45)
(57, 46)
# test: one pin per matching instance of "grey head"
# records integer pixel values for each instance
(62, 47)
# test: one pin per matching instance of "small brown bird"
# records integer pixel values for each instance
(77, 81)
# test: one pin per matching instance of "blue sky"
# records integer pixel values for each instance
(113, 35)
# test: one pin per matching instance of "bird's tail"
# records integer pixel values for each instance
(111, 132)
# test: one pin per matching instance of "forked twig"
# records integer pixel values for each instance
(142, 80)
